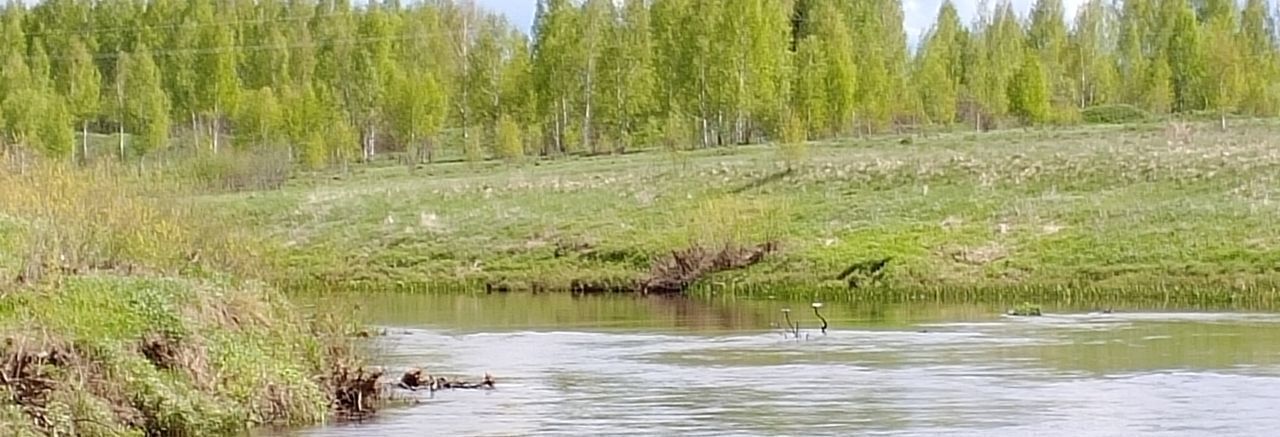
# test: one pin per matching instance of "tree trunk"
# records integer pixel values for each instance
(562, 118)
(587, 143)
(702, 106)
(586, 120)
(121, 138)
(214, 126)
(84, 142)
(195, 128)
(364, 145)
(1083, 94)
(464, 51)
(431, 149)
(416, 157)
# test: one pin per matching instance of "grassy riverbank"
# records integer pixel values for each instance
(121, 313)
(1140, 209)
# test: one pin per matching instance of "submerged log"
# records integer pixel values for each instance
(413, 379)
(416, 379)
(486, 383)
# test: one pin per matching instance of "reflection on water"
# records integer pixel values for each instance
(624, 365)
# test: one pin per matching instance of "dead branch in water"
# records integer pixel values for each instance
(417, 379)
(676, 272)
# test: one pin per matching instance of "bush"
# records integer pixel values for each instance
(237, 171)
(97, 319)
(510, 141)
(64, 220)
(1114, 114)
(793, 147)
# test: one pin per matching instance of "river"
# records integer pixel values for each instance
(660, 366)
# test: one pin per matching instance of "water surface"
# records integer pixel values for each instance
(654, 366)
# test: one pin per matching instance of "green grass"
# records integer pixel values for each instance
(119, 315)
(237, 358)
(1154, 207)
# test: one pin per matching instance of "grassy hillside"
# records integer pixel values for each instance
(1145, 209)
(123, 313)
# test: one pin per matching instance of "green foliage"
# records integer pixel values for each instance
(601, 74)
(471, 149)
(793, 144)
(239, 170)
(510, 141)
(1092, 63)
(1185, 56)
(809, 91)
(142, 102)
(936, 66)
(1029, 92)
(182, 348)
(259, 120)
(998, 57)
(1047, 37)
(1224, 80)
(629, 81)
(213, 388)
(937, 87)
(1159, 96)
(675, 137)
(313, 150)
(841, 69)
(556, 55)
(56, 138)
(417, 108)
(84, 83)
(217, 81)
(37, 119)
(1263, 65)
(1114, 114)
(316, 125)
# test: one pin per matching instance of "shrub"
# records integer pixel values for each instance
(510, 141)
(263, 169)
(65, 220)
(793, 147)
(1114, 114)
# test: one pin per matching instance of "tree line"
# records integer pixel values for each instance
(332, 82)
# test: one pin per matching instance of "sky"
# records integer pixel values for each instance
(520, 12)
(918, 14)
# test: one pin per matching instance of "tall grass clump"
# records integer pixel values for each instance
(77, 221)
(793, 148)
(265, 169)
(123, 313)
(1114, 114)
(510, 142)
(732, 221)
